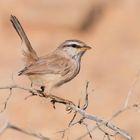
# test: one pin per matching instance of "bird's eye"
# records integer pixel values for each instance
(74, 45)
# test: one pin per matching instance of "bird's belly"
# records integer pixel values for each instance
(48, 80)
(54, 80)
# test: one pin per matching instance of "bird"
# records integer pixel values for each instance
(53, 69)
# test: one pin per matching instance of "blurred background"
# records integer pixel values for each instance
(111, 27)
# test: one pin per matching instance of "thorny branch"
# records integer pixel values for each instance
(70, 106)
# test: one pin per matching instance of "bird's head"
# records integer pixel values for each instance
(74, 48)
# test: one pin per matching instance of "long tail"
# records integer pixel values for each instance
(29, 52)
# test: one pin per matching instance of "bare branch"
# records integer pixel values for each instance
(88, 131)
(126, 102)
(72, 106)
(6, 101)
(125, 108)
(3, 129)
(103, 122)
(131, 89)
(13, 127)
(86, 97)
(84, 107)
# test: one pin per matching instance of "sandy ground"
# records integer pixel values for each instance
(111, 66)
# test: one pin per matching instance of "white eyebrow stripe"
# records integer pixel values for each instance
(73, 42)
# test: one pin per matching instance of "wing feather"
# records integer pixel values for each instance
(53, 64)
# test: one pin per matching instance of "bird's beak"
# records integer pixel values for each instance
(86, 48)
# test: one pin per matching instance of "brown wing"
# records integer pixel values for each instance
(53, 64)
(29, 53)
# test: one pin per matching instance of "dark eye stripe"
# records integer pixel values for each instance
(74, 46)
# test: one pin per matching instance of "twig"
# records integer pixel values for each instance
(88, 131)
(126, 102)
(13, 127)
(71, 121)
(70, 104)
(84, 135)
(131, 89)
(84, 107)
(6, 101)
(3, 129)
(86, 97)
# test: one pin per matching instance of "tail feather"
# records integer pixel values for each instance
(21, 72)
(29, 54)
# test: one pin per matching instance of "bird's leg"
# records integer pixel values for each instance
(42, 88)
(41, 92)
(31, 84)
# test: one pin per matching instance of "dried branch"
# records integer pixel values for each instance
(84, 107)
(73, 107)
(86, 97)
(103, 122)
(88, 131)
(13, 127)
(126, 105)
(6, 101)
(131, 89)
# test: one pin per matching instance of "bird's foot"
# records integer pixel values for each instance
(42, 88)
(41, 92)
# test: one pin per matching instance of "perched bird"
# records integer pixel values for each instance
(54, 69)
